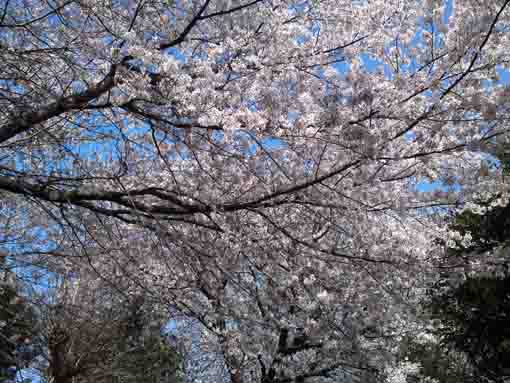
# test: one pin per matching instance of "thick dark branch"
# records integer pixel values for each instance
(322, 372)
(227, 11)
(340, 47)
(283, 339)
(47, 192)
(131, 107)
(301, 186)
(293, 350)
(200, 16)
(4, 12)
(188, 28)
(414, 123)
(75, 197)
(32, 21)
(27, 120)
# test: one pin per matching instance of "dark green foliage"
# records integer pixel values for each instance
(502, 152)
(474, 316)
(124, 343)
(446, 366)
(16, 321)
(475, 319)
(488, 231)
(99, 341)
(150, 360)
(145, 354)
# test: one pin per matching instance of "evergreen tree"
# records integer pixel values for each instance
(16, 328)
(475, 319)
(144, 354)
(93, 336)
(474, 315)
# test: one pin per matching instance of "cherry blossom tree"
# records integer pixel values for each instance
(257, 165)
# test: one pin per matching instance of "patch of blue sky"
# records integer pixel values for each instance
(297, 7)
(448, 11)
(101, 142)
(56, 21)
(430, 186)
(98, 142)
(503, 76)
(28, 375)
(10, 243)
(16, 245)
(177, 54)
(370, 63)
(342, 67)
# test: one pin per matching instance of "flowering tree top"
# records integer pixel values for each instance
(254, 164)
